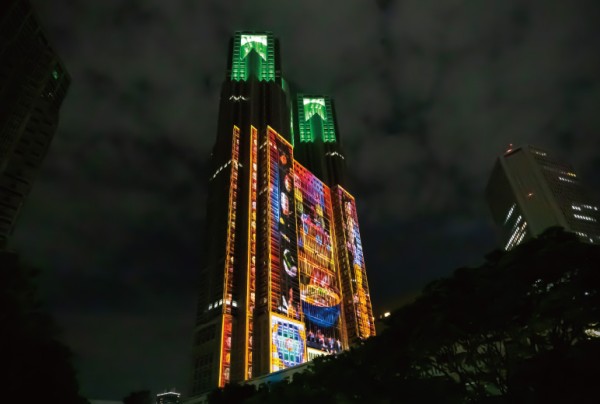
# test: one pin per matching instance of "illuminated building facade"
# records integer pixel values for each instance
(530, 190)
(33, 84)
(283, 278)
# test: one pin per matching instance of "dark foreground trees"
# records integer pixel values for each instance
(138, 397)
(507, 329)
(522, 327)
(36, 366)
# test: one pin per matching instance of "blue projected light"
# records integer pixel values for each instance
(322, 316)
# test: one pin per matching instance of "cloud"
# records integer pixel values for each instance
(130, 352)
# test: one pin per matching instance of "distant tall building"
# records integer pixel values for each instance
(168, 397)
(33, 84)
(530, 190)
(283, 278)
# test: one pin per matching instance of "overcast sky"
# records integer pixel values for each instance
(428, 93)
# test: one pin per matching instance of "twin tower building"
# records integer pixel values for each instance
(283, 277)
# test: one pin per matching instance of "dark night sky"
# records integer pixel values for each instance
(427, 92)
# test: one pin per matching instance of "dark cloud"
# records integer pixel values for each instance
(427, 94)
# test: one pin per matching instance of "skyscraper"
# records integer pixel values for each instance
(33, 84)
(530, 190)
(283, 278)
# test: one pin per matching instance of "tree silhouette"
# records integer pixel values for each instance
(138, 397)
(37, 365)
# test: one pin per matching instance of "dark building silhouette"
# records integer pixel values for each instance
(168, 397)
(283, 278)
(530, 190)
(33, 84)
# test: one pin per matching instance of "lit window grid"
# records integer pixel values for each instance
(519, 231)
(345, 272)
(251, 286)
(354, 281)
(225, 355)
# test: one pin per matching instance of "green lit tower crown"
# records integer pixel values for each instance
(283, 277)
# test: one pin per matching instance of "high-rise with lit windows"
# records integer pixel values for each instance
(530, 191)
(33, 84)
(283, 278)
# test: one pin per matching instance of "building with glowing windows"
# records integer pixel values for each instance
(530, 190)
(283, 278)
(33, 84)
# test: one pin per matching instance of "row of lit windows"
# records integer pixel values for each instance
(586, 236)
(539, 153)
(584, 206)
(559, 168)
(335, 154)
(220, 303)
(220, 169)
(582, 217)
(510, 212)
(567, 180)
(517, 234)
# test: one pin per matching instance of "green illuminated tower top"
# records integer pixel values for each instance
(254, 54)
(315, 119)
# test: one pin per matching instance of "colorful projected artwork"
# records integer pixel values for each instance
(224, 375)
(251, 287)
(284, 267)
(356, 290)
(287, 343)
(319, 289)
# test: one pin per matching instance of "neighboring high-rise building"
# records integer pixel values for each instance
(168, 397)
(530, 190)
(33, 84)
(283, 278)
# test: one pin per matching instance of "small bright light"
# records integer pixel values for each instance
(386, 314)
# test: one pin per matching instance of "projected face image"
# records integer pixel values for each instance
(289, 263)
(285, 292)
(285, 204)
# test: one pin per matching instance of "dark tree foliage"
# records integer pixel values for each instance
(138, 397)
(519, 328)
(36, 365)
(231, 393)
(491, 328)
